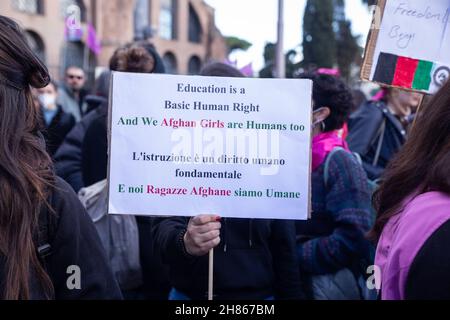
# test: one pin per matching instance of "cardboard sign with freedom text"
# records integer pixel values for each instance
(409, 45)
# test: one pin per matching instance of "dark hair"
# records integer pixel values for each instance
(331, 91)
(26, 174)
(73, 67)
(116, 61)
(113, 61)
(134, 59)
(102, 84)
(422, 165)
(217, 69)
(159, 64)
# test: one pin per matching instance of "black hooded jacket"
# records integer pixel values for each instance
(57, 130)
(256, 260)
(365, 128)
(68, 157)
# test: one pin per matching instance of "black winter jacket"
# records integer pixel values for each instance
(75, 242)
(94, 149)
(365, 127)
(68, 158)
(56, 132)
(255, 260)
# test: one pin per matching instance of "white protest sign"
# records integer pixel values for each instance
(411, 50)
(184, 146)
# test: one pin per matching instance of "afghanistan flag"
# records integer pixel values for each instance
(409, 73)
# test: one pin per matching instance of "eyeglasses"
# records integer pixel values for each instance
(71, 77)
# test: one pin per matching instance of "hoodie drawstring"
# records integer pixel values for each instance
(224, 232)
(250, 231)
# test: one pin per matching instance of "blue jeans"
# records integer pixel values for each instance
(176, 295)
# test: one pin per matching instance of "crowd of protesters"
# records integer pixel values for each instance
(380, 196)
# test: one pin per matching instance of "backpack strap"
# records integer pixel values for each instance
(48, 223)
(376, 115)
(380, 136)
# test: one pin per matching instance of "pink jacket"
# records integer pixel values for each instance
(404, 236)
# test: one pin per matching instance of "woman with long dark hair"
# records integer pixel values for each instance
(45, 234)
(413, 204)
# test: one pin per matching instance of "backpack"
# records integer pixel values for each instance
(348, 283)
(373, 184)
(119, 235)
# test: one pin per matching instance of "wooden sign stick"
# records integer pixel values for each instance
(211, 276)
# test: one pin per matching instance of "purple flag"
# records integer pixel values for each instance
(248, 70)
(73, 31)
(330, 72)
(93, 42)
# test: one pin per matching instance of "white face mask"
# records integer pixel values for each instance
(47, 100)
(318, 122)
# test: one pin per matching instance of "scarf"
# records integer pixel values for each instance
(323, 144)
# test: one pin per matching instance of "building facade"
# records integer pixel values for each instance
(183, 31)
